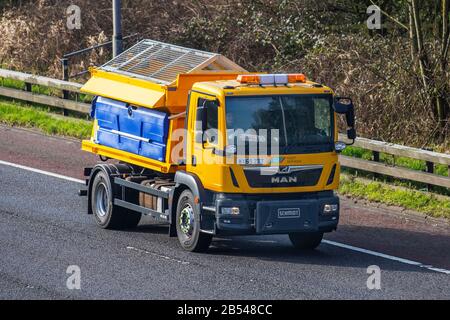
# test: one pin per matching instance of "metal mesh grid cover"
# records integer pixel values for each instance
(156, 61)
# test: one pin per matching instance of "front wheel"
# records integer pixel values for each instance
(306, 241)
(188, 225)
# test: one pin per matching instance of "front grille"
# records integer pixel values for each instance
(294, 176)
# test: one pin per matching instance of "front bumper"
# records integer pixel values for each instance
(277, 214)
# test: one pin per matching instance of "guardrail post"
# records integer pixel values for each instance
(430, 169)
(376, 158)
(65, 69)
(28, 87)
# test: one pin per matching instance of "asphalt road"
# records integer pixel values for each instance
(44, 230)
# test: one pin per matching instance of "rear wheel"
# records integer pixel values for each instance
(188, 225)
(306, 241)
(106, 214)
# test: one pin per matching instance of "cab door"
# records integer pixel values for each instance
(205, 126)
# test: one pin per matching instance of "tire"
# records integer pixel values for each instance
(106, 214)
(188, 225)
(306, 241)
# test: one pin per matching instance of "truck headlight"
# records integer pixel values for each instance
(330, 208)
(230, 210)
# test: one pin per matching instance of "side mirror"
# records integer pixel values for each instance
(344, 105)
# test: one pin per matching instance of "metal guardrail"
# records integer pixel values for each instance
(375, 166)
(376, 147)
(27, 95)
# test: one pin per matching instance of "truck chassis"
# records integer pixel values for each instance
(126, 186)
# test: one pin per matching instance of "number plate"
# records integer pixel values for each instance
(288, 213)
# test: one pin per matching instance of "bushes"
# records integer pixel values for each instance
(259, 34)
(34, 36)
(327, 40)
(379, 76)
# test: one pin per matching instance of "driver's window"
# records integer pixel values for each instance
(212, 120)
(322, 116)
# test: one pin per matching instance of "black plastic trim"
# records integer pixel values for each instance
(233, 178)
(192, 182)
(332, 174)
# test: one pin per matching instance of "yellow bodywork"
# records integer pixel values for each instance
(213, 171)
(139, 92)
(135, 91)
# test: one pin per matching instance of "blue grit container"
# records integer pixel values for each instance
(137, 130)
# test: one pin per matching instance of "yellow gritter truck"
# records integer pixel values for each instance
(192, 140)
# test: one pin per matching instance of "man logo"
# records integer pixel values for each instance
(284, 179)
(285, 170)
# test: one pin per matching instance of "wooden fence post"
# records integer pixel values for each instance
(65, 69)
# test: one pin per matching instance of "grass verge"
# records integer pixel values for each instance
(25, 115)
(375, 191)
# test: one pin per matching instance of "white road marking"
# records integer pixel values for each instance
(386, 256)
(333, 243)
(262, 241)
(157, 255)
(47, 173)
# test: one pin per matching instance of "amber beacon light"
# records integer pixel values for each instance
(271, 79)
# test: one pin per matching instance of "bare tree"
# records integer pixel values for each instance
(432, 60)
(430, 53)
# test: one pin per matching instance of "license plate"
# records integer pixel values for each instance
(288, 213)
(251, 161)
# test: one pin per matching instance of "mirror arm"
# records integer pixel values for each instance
(353, 140)
(350, 144)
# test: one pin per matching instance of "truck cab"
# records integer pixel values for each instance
(249, 153)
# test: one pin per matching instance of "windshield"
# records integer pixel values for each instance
(297, 123)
